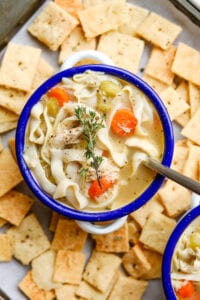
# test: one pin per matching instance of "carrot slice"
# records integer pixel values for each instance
(95, 190)
(123, 122)
(186, 290)
(60, 94)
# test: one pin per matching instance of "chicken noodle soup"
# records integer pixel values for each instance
(185, 271)
(86, 138)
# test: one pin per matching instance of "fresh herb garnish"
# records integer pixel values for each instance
(91, 123)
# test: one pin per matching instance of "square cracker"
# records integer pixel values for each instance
(158, 30)
(68, 236)
(180, 156)
(194, 97)
(134, 17)
(74, 42)
(19, 66)
(68, 266)
(124, 50)
(7, 116)
(191, 168)
(173, 102)
(192, 128)
(10, 175)
(135, 262)
(87, 291)
(8, 120)
(156, 231)
(175, 198)
(12, 99)
(186, 63)
(43, 72)
(32, 291)
(182, 90)
(156, 84)
(134, 231)
(54, 220)
(101, 269)
(159, 64)
(5, 248)
(101, 18)
(128, 288)
(52, 25)
(5, 127)
(14, 206)
(141, 215)
(42, 270)
(66, 291)
(116, 241)
(28, 239)
(72, 7)
(155, 261)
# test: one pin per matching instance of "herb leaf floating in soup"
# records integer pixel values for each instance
(185, 272)
(86, 138)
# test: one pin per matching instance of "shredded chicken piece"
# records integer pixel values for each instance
(65, 136)
(106, 168)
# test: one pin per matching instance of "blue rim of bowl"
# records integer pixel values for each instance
(103, 215)
(184, 222)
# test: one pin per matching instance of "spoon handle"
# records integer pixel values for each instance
(183, 180)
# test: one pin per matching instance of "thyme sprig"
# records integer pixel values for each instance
(91, 123)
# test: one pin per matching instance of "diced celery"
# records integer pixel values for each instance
(103, 103)
(195, 240)
(109, 88)
(52, 107)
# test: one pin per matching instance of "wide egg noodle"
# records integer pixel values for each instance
(45, 147)
(37, 134)
(144, 145)
(57, 169)
(142, 110)
(120, 158)
(32, 159)
(70, 190)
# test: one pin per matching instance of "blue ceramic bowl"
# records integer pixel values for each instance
(184, 222)
(83, 215)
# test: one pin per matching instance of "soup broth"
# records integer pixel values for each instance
(185, 269)
(86, 139)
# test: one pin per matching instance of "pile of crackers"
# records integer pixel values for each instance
(121, 263)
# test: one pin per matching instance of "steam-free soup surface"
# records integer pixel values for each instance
(86, 139)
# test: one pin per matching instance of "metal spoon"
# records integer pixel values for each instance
(183, 180)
